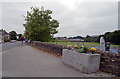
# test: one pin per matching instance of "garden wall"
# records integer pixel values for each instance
(110, 62)
(53, 48)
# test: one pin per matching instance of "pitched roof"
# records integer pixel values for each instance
(3, 31)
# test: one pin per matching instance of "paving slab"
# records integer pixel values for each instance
(26, 61)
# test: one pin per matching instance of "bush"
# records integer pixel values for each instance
(6, 40)
(83, 50)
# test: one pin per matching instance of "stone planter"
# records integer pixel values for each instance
(86, 63)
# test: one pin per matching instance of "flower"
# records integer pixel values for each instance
(73, 48)
(76, 47)
(93, 49)
(69, 45)
(89, 51)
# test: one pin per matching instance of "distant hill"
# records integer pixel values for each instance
(76, 37)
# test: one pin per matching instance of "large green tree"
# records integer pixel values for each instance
(41, 26)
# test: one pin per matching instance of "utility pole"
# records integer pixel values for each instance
(27, 33)
(27, 29)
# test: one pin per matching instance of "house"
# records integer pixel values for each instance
(4, 35)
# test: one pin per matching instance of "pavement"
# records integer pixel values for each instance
(26, 61)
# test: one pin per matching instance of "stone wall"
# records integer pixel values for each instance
(110, 62)
(53, 48)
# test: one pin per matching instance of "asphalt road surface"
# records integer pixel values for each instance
(7, 46)
(4, 47)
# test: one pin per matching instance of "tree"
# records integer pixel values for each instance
(41, 26)
(98, 38)
(13, 35)
(107, 36)
(20, 35)
(88, 39)
(113, 37)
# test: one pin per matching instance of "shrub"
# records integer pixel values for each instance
(83, 50)
(6, 40)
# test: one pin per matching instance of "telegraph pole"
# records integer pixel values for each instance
(27, 30)
(27, 33)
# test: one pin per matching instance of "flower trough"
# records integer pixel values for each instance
(85, 62)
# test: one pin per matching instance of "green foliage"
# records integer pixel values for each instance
(84, 49)
(98, 38)
(41, 26)
(20, 35)
(77, 47)
(81, 51)
(113, 37)
(13, 35)
(6, 40)
(90, 39)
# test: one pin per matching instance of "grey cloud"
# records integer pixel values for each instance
(0, 15)
(92, 18)
(87, 18)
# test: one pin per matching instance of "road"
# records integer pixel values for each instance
(7, 46)
(4, 47)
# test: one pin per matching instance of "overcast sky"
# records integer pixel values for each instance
(75, 17)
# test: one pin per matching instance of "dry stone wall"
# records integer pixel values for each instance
(110, 62)
(53, 48)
